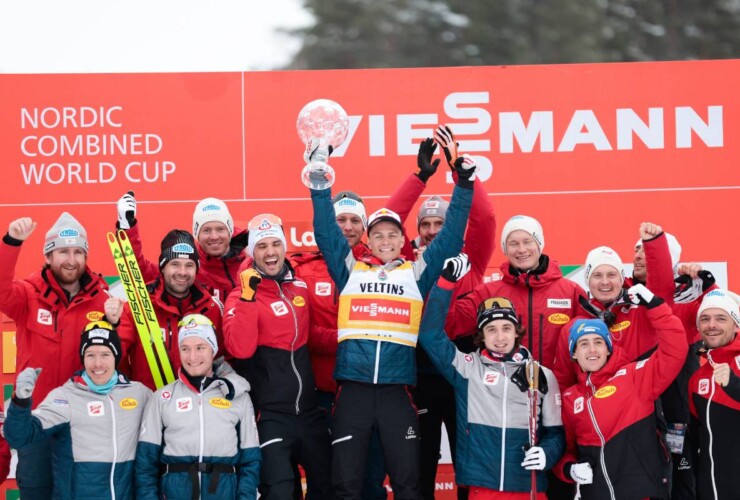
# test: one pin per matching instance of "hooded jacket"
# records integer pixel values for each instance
(716, 413)
(609, 418)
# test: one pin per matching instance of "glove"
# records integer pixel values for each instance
(465, 168)
(25, 382)
(455, 268)
(446, 140)
(689, 290)
(127, 211)
(314, 152)
(582, 473)
(249, 279)
(534, 459)
(427, 167)
(641, 296)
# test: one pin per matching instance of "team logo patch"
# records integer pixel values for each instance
(468, 358)
(737, 362)
(95, 316)
(300, 284)
(96, 408)
(219, 403)
(299, 301)
(640, 364)
(183, 404)
(558, 318)
(166, 395)
(387, 311)
(578, 405)
(69, 233)
(322, 289)
(279, 308)
(128, 403)
(619, 373)
(43, 317)
(490, 378)
(620, 326)
(60, 402)
(382, 274)
(704, 386)
(559, 303)
(410, 434)
(606, 391)
(183, 248)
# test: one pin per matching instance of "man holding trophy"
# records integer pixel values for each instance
(380, 307)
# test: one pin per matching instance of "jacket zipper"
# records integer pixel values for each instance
(602, 459)
(530, 319)
(503, 429)
(376, 369)
(202, 437)
(292, 349)
(115, 447)
(228, 275)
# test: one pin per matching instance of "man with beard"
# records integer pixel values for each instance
(174, 294)
(50, 308)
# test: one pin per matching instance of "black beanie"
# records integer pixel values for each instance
(178, 244)
(100, 333)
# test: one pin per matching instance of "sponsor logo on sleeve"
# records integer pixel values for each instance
(737, 361)
(128, 403)
(96, 408)
(322, 289)
(301, 284)
(578, 405)
(43, 317)
(641, 363)
(183, 404)
(60, 402)
(619, 373)
(279, 308)
(490, 377)
(220, 403)
(704, 386)
(558, 400)
(468, 358)
(606, 391)
(166, 395)
(559, 303)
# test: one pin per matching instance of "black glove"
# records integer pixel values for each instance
(455, 268)
(519, 378)
(446, 140)
(689, 289)
(641, 296)
(465, 168)
(427, 167)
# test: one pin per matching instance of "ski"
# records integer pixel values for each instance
(533, 378)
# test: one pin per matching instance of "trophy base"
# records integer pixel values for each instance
(318, 175)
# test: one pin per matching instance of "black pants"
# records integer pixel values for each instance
(435, 400)
(389, 408)
(286, 440)
(34, 471)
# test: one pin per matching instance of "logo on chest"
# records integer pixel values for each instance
(322, 289)
(183, 404)
(578, 405)
(491, 378)
(43, 317)
(96, 409)
(704, 386)
(605, 391)
(389, 311)
(279, 308)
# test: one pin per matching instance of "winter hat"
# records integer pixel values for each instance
(66, 232)
(433, 207)
(384, 215)
(674, 247)
(178, 244)
(583, 327)
(264, 226)
(211, 210)
(100, 333)
(600, 256)
(496, 308)
(197, 325)
(523, 223)
(347, 202)
(721, 299)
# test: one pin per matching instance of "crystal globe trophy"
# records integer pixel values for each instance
(320, 124)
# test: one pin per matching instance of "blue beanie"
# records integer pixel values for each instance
(583, 327)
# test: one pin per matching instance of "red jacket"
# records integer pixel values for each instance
(631, 330)
(48, 326)
(543, 298)
(218, 274)
(169, 311)
(269, 338)
(609, 417)
(716, 413)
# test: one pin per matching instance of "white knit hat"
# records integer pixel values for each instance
(674, 247)
(603, 256)
(211, 210)
(523, 223)
(347, 202)
(65, 233)
(721, 299)
(197, 325)
(264, 227)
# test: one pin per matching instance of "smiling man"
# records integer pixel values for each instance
(174, 294)
(50, 307)
(715, 395)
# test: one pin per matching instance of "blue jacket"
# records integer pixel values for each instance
(373, 361)
(492, 412)
(98, 461)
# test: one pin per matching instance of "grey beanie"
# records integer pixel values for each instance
(433, 207)
(66, 232)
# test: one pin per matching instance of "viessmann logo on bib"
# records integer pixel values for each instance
(389, 311)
